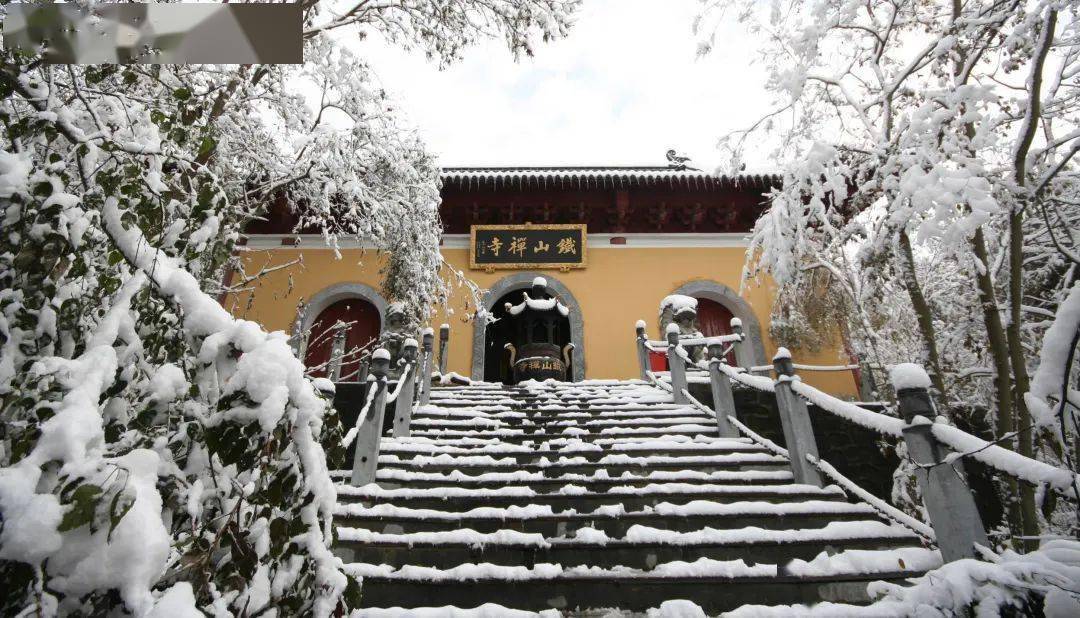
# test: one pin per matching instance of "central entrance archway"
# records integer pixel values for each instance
(508, 289)
(503, 330)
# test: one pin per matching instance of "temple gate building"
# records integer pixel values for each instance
(609, 242)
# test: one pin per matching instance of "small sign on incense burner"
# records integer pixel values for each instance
(559, 246)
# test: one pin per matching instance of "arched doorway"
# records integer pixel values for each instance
(502, 331)
(523, 281)
(730, 304)
(362, 324)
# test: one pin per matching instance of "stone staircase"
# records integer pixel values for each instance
(602, 494)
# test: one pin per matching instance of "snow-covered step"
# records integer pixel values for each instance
(714, 585)
(556, 425)
(554, 407)
(595, 495)
(570, 446)
(642, 547)
(614, 463)
(612, 520)
(597, 481)
(546, 416)
(575, 496)
(519, 435)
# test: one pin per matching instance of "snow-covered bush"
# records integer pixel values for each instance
(1043, 582)
(929, 172)
(157, 455)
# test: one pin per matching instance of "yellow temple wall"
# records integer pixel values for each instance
(619, 286)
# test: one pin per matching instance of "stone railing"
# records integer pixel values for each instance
(935, 447)
(413, 389)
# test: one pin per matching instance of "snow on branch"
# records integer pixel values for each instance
(268, 375)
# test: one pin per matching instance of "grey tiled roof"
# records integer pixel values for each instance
(597, 176)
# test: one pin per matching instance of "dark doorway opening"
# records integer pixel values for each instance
(362, 323)
(714, 320)
(504, 330)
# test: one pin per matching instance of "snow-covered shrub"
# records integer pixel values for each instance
(157, 455)
(1043, 582)
(929, 168)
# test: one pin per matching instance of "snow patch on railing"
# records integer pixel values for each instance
(1004, 460)
(880, 423)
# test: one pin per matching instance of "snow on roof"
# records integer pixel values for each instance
(538, 305)
(599, 176)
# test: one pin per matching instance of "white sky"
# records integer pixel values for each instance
(625, 86)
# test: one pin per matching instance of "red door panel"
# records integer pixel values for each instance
(364, 326)
(714, 320)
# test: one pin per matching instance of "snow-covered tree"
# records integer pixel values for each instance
(157, 455)
(929, 167)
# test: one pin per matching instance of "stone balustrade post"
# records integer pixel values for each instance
(425, 367)
(736, 329)
(946, 495)
(369, 431)
(795, 418)
(444, 344)
(363, 370)
(642, 349)
(337, 351)
(723, 399)
(403, 405)
(677, 365)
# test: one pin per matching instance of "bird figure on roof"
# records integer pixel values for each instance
(678, 161)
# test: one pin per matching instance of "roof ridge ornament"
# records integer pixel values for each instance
(679, 162)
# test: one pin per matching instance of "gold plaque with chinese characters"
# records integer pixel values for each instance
(527, 246)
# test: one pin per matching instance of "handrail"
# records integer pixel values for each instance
(949, 502)
(881, 423)
(844, 482)
(963, 443)
(655, 346)
(368, 429)
(889, 510)
(1004, 460)
(705, 341)
(658, 382)
(769, 368)
(406, 375)
(361, 417)
(444, 344)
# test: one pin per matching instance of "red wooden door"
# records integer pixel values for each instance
(714, 320)
(364, 326)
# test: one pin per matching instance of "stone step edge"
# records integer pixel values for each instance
(631, 492)
(553, 437)
(734, 510)
(655, 466)
(554, 486)
(841, 533)
(372, 578)
(608, 459)
(517, 422)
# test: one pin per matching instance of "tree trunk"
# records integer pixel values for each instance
(926, 323)
(999, 352)
(1026, 446)
(1021, 382)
